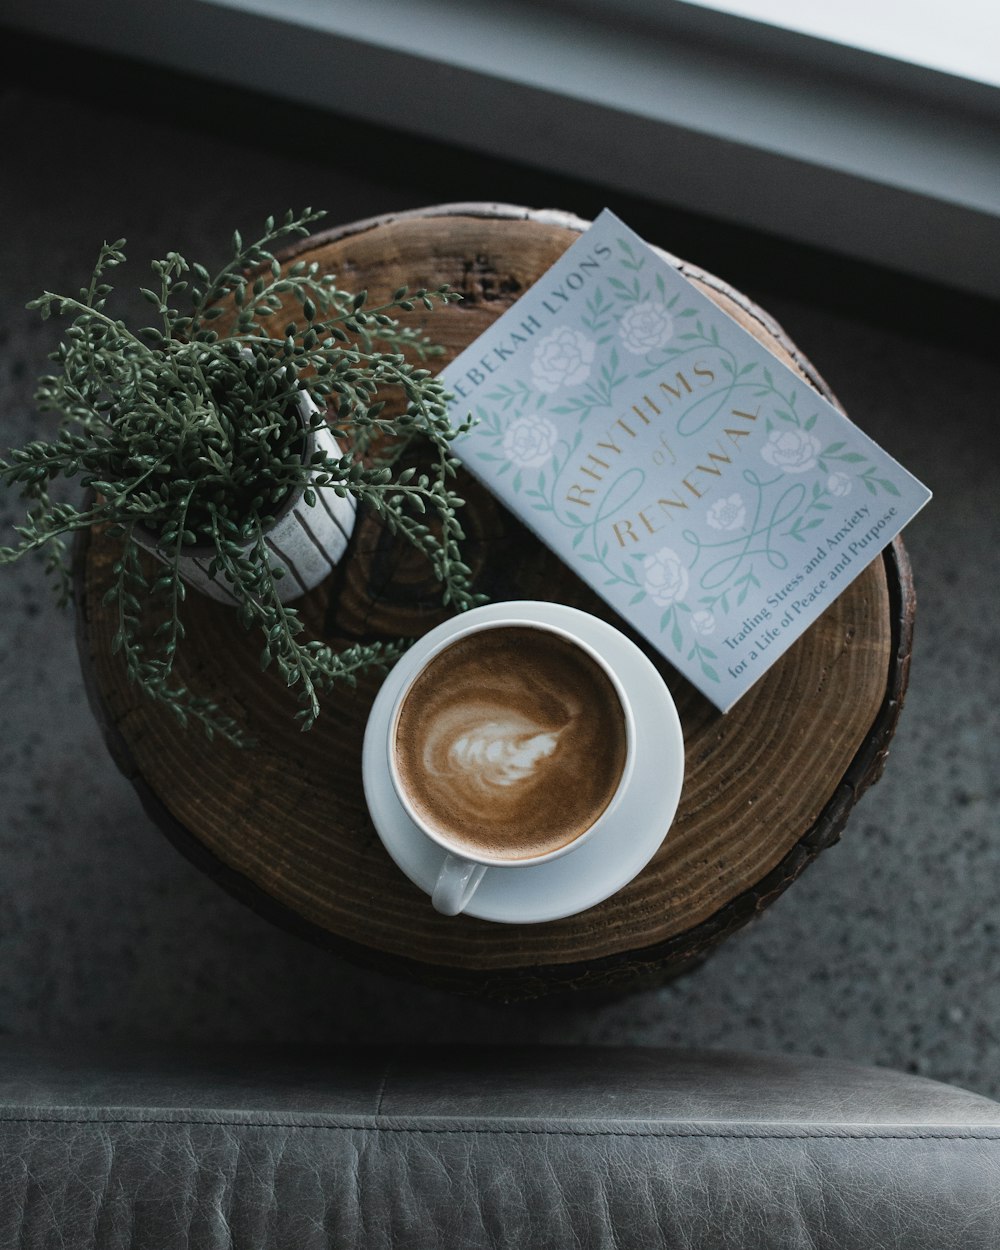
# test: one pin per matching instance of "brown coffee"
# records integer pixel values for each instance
(511, 742)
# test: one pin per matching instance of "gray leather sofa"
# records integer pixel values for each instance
(519, 1148)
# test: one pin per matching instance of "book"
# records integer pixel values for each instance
(702, 487)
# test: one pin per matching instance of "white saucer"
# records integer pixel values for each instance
(608, 860)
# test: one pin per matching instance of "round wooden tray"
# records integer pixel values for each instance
(284, 826)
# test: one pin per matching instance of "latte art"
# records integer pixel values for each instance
(493, 752)
(511, 742)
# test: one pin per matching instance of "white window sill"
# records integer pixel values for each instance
(849, 152)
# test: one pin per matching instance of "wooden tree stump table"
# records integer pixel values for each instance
(284, 825)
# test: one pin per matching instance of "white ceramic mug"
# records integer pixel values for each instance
(463, 870)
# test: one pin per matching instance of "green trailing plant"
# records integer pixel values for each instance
(188, 435)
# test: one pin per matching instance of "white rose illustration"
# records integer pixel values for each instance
(645, 327)
(665, 577)
(838, 484)
(703, 622)
(562, 358)
(727, 514)
(795, 451)
(529, 442)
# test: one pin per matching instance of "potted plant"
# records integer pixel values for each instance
(224, 450)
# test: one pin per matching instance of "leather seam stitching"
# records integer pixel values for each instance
(517, 1132)
(382, 1086)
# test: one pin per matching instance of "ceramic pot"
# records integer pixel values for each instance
(305, 541)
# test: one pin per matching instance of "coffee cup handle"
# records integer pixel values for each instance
(456, 884)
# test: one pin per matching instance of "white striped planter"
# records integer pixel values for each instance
(306, 542)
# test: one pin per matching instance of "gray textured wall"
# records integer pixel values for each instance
(883, 952)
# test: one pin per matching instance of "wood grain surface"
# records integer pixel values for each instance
(284, 825)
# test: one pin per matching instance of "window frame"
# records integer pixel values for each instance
(819, 143)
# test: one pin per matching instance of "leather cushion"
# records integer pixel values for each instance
(521, 1147)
